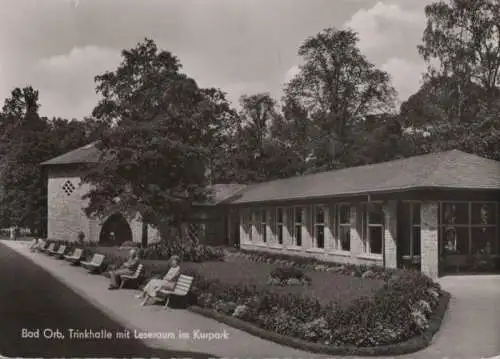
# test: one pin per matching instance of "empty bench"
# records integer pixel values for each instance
(95, 264)
(76, 257)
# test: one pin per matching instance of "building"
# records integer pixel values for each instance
(438, 211)
(214, 224)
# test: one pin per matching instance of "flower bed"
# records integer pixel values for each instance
(308, 263)
(399, 311)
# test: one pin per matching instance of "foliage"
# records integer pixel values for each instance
(154, 160)
(399, 311)
(336, 87)
(188, 251)
(299, 264)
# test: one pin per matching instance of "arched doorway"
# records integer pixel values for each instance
(115, 231)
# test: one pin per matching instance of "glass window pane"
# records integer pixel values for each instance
(320, 236)
(416, 241)
(345, 238)
(263, 215)
(416, 213)
(280, 215)
(484, 241)
(375, 240)
(298, 215)
(375, 213)
(319, 212)
(455, 213)
(280, 234)
(298, 235)
(483, 213)
(344, 214)
(405, 240)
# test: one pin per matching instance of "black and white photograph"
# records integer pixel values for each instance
(250, 179)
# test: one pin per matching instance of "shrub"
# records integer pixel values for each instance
(189, 252)
(128, 244)
(288, 276)
(399, 311)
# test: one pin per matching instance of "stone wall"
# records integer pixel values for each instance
(429, 239)
(65, 215)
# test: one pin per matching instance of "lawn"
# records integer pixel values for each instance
(325, 286)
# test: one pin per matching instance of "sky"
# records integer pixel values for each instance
(240, 46)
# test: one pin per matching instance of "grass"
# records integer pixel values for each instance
(325, 286)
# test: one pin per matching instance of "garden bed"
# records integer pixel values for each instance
(406, 347)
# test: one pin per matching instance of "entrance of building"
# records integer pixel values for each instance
(115, 231)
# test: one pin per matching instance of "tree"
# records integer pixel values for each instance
(21, 149)
(462, 41)
(337, 86)
(155, 157)
(457, 105)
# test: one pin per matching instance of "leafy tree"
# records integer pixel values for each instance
(155, 157)
(461, 41)
(21, 150)
(337, 87)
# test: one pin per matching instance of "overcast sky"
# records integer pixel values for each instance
(240, 46)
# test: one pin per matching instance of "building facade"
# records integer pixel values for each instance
(438, 213)
(65, 217)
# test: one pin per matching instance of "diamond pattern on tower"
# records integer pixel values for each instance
(68, 187)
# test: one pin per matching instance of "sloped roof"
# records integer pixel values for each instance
(85, 154)
(225, 192)
(451, 169)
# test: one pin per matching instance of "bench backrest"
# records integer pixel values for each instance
(97, 259)
(51, 247)
(183, 284)
(61, 249)
(77, 253)
(139, 270)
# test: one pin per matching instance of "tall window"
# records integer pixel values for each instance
(344, 227)
(455, 228)
(279, 225)
(410, 218)
(297, 225)
(469, 228)
(262, 225)
(374, 237)
(319, 226)
(247, 223)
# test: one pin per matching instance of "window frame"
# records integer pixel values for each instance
(367, 225)
(279, 224)
(339, 225)
(316, 225)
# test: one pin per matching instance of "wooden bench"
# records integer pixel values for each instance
(59, 254)
(182, 288)
(76, 257)
(48, 250)
(132, 278)
(42, 246)
(94, 265)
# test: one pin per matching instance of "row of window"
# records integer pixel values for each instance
(329, 223)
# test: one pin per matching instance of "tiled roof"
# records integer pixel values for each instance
(85, 154)
(225, 192)
(451, 169)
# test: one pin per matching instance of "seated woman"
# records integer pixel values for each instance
(168, 282)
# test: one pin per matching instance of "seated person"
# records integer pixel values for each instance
(35, 244)
(168, 282)
(128, 267)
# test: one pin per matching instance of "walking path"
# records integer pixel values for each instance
(470, 330)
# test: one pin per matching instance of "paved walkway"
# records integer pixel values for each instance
(470, 330)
